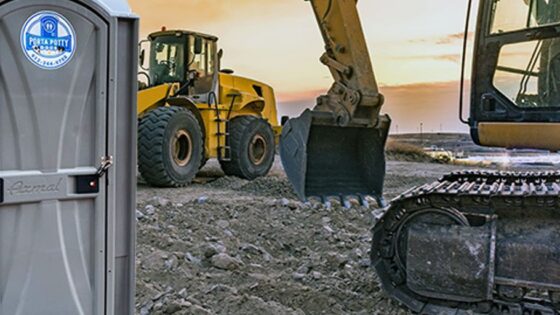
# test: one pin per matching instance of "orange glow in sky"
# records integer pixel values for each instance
(412, 43)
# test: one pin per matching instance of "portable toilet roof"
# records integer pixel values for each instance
(119, 8)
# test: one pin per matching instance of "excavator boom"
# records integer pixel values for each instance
(337, 149)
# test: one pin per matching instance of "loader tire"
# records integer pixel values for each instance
(252, 148)
(170, 147)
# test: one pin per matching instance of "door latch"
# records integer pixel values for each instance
(89, 184)
(106, 163)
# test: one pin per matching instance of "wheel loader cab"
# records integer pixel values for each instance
(179, 56)
(515, 97)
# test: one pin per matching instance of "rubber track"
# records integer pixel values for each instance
(456, 190)
(151, 131)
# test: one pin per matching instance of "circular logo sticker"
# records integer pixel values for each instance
(48, 40)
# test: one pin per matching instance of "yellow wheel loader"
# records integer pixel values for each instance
(190, 110)
(472, 242)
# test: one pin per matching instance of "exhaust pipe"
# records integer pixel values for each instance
(324, 160)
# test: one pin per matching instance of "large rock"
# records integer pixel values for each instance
(211, 249)
(226, 262)
(155, 260)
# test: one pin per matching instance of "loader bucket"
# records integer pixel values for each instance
(324, 160)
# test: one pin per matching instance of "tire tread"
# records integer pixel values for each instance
(237, 128)
(151, 133)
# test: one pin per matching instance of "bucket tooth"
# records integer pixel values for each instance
(381, 202)
(363, 201)
(346, 202)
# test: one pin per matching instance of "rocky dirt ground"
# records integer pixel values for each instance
(231, 246)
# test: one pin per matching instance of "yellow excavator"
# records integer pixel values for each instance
(191, 110)
(472, 242)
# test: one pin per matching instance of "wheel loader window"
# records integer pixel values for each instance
(211, 58)
(204, 64)
(515, 15)
(528, 73)
(199, 61)
(167, 60)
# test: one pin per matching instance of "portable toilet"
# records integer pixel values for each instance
(67, 156)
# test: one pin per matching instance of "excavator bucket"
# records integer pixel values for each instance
(325, 160)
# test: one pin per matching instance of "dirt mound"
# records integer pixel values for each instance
(400, 151)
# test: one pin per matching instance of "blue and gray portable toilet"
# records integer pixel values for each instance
(67, 156)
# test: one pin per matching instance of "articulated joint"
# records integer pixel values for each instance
(343, 103)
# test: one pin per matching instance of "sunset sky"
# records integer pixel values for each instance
(415, 47)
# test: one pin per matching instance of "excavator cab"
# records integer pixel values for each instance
(515, 97)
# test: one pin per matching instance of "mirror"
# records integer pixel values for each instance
(198, 45)
(220, 55)
(143, 48)
(142, 57)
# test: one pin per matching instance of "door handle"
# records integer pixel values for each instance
(89, 184)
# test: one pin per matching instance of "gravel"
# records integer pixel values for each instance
(231, 246)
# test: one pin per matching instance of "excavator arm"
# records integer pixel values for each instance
(337, 149)
(354, 97)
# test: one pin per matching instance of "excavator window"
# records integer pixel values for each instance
(528, 73)
(515, 15)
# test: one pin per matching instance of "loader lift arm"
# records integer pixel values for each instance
(337, 149)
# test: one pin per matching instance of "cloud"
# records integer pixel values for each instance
(278, 42)
(300, 95)
(434, 104)
(449, 57)
(198, 14)
(449, 39)
(455, 58)
(411, 89)
(453, 38)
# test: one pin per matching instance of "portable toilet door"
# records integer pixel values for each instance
(66, 218)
